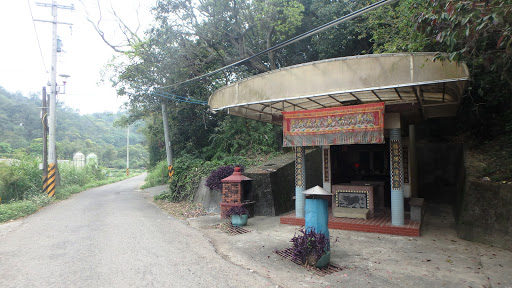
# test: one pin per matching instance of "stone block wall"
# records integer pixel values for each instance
(486, 214)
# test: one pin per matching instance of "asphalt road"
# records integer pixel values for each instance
(112, 236)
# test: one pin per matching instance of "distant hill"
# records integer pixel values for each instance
(19, 119)
(21, 128)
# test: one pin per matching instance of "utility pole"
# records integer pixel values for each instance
(128, 150)
(167, 137)
(44, 118)
(52, 149)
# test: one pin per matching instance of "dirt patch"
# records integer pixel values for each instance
(182, 210)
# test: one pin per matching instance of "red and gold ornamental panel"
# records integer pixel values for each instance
(358, 124)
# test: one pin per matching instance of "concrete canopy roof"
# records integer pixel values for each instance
(412, 84)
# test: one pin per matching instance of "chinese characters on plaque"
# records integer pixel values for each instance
(396, 173)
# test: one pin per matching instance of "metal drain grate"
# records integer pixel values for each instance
(232, 230)
(329, 269)
(216, 226)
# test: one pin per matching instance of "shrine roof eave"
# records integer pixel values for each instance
(415, 82)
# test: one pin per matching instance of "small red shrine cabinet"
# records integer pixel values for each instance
(236, 191)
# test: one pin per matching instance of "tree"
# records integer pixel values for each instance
(5, 148)
(480, 34)
(131, 34)
(36, 147)
(189, 39)
(138, 156)
(230, 30)
(346, 39)
(241, 136)
(393, 28)
(276, 20)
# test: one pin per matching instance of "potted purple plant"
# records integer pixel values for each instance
(311, 248)
(238, 215)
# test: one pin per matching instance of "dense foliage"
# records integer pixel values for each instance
(20, 179)
(476, 32)
(480, 34)
(157, 175)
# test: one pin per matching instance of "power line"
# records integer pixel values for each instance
(172, 96)
(93, 122)
(293, 40)
(178, 98)
(37, 36)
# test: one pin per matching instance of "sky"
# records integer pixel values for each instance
(25, 49)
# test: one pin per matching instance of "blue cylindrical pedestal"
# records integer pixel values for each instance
(317, 215)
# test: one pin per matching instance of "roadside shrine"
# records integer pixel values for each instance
(362, 112)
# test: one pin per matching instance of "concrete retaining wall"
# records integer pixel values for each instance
(273, 185)
(274, 182)
(209, 199)
(486, 214)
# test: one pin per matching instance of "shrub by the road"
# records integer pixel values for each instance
(22, 208)
(19, 180)
(157, 175)
(21, 185)
(189, 171)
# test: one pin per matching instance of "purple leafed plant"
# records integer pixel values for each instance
(309, 247)
(237, 210)
(214, 180)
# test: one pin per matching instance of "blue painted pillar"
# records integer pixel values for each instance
(300, 180)
(397, 182)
